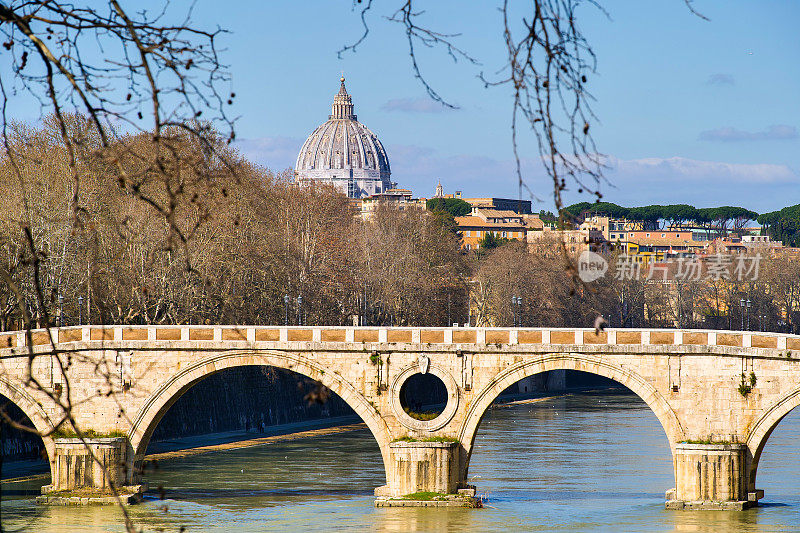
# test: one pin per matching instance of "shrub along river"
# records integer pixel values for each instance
(591, 462)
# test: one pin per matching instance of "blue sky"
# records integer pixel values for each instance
(691, 111)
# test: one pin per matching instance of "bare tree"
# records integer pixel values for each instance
(127, 73)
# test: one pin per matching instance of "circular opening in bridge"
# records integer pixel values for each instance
(423, 396)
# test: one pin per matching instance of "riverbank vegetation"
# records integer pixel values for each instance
(244, 245)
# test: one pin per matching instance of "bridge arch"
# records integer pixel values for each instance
(566, 361)
(157, 405)
(33, 410)
(760, 431)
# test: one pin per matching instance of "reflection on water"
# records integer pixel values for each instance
(580, 463)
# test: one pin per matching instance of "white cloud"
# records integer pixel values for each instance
(693, 171)
(759, 186)
(776, 132)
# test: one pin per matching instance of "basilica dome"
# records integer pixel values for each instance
(344, 153)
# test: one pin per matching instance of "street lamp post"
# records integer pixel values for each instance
(516, 306)
(60, 310)
(749, 305)
(449, 314)
(80, 310)
(514, 309)
(741, 304)
(299, 310)
(286, 309)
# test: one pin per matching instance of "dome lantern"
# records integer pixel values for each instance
(342, 105)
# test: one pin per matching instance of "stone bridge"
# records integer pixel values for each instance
(717, 394)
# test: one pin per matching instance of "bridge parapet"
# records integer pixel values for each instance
(112, 336)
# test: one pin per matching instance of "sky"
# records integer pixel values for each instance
(695, 111)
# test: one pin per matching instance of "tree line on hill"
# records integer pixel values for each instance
(719, 219)
(782, 225)
(244, 245)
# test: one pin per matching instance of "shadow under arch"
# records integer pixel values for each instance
(35, 413)
(565, 361)
(173, 388)
(760, 432)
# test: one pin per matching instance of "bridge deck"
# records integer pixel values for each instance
(693, 340)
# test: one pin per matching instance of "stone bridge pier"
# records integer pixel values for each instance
(718, 395)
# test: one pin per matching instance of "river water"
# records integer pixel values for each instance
(578, 463)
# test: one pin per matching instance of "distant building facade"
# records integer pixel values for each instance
(545, 239)
(522, 207)
(398, 199)
(613, 229)
(344, 153)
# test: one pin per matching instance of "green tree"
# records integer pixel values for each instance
(547, 217)
(679, 213)
(455, 206)
(649, 215)
(783, 225)
(490, 241)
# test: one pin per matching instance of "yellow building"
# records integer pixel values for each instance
(502, 224)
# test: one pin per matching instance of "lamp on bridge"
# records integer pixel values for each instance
(745, 305)
(516, 306)
(299, 310)
(286, 309)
